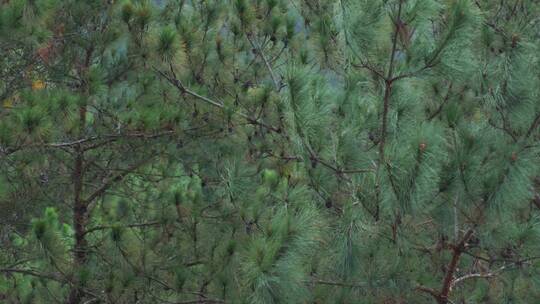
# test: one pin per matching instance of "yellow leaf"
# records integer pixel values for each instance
(38, 85)
(7, 103)
(477, 115)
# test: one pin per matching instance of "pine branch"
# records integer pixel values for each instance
(457, 250)
(200, 301)
(370, 68)
(332, 283)
(388, 85)
(180, 86)
(473, 276)
(68, 144)
(449, 278)
(392, 181)
(428, 290)
(21, 262)
(394, 42)
(445, 100)
(536, 200)
(503, 129)
(432, 61)
(118, 177)
(505, 125)
(32, 273)
(337, 170)
(533, 126)
(266, 63)
(414, 73)
(114, 137)
(493, 260)
(316, 159)
(456, 219)
(138, 225)
(386, 105)
(107, 138)
(489, 274)
(173, 80)
(363, 64)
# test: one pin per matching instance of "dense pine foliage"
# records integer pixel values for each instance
(269, 151)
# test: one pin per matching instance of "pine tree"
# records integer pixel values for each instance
(269, 151)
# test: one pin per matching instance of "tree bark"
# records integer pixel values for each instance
(449, 278)
(79, 219)
(80, 207)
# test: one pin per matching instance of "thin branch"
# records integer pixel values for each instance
(393, 184)
(536, 200)
(394, 42)
(428, 290)
(414, 73)
(332, 283)
(533, 126)
(482, 275)
(113, 137)
(503, 129)
(456, 222)
(386, 105)
(104, 138)
(337, 170)
(67, 144)
(260, 53)
(388, 86)
(118, 177)
(429, 64)
(32, 273)
(472, 276)
(370, 68)
(138, 225)
(352, 171)
(363, 64)
(180, 86)
(317, 159)
(445, 100)
(199, 301)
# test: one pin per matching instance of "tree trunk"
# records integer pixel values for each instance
(80, 205)
(79, 220)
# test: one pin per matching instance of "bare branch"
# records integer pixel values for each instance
(472, 276)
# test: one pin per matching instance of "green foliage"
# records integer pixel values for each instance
(269, 151)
